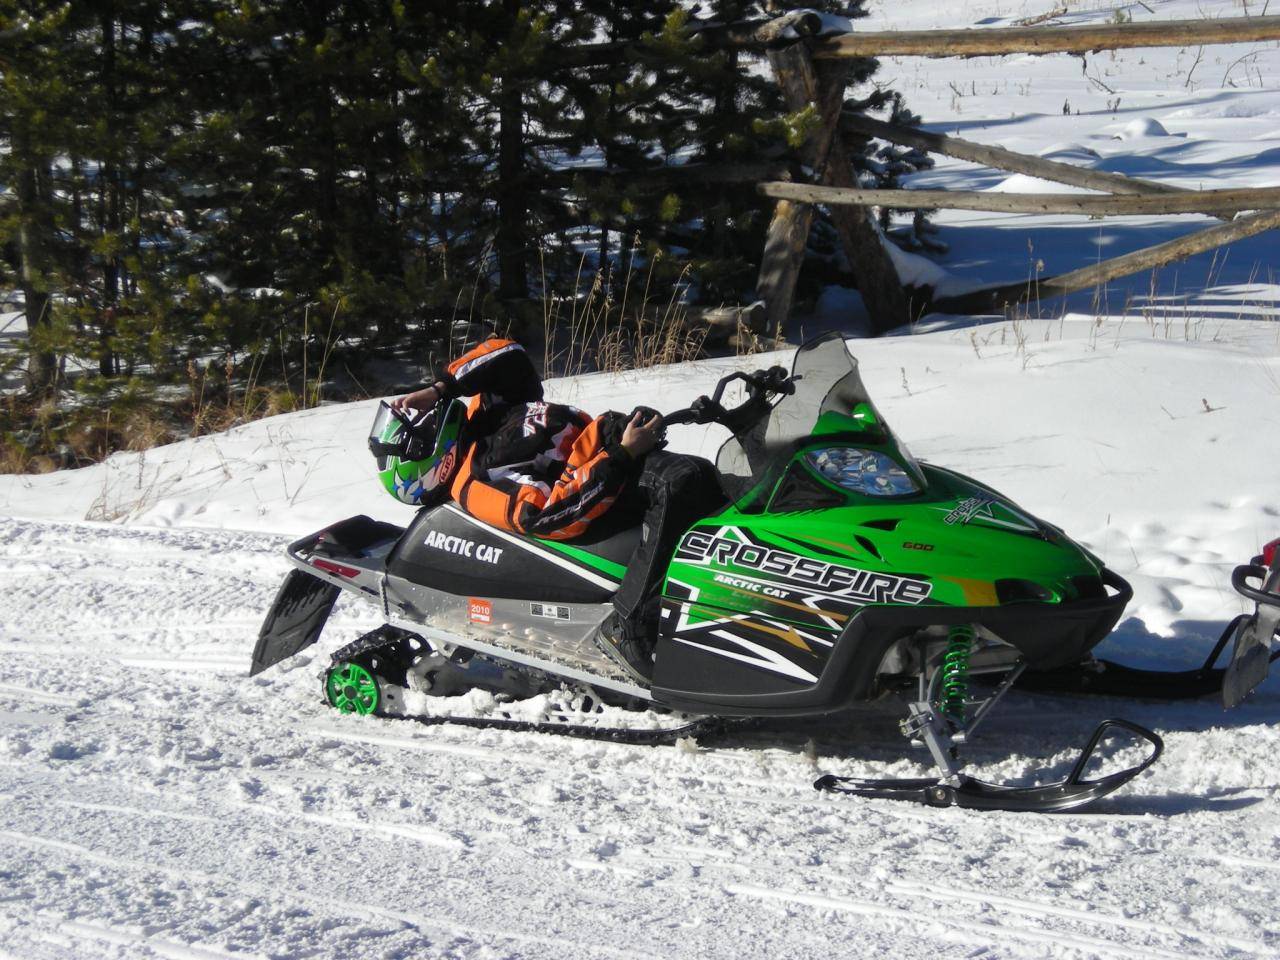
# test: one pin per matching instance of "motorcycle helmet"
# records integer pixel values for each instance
(418, 458)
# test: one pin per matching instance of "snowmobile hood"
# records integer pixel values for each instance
(837, 516)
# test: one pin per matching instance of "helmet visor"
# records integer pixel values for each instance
(388, 437)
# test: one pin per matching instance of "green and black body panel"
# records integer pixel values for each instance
(788, 602)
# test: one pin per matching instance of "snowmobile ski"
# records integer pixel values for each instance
(974, 794)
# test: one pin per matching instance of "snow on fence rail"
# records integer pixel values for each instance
(808, 67)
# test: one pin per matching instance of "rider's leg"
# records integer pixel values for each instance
(676, 490)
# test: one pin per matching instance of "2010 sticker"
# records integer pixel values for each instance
(479, 611)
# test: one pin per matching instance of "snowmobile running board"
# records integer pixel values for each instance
(973, 794)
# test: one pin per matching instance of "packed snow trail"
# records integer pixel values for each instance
(158, 803)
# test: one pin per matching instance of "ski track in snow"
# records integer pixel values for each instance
(156, 810)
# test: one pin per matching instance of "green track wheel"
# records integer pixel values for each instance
(351, 688)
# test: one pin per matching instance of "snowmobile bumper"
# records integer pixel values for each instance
(971, 793)
(1254, 635)
(1252, 656)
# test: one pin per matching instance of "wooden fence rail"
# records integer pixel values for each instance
(1190, 201)
(861, 125)
(1041, 40)
(997, 298)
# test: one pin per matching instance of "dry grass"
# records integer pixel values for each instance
(609, 332)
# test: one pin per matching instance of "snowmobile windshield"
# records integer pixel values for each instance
(827, 382)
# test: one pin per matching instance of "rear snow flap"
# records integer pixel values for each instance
(295, 620)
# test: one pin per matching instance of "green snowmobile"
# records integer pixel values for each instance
(843, 571)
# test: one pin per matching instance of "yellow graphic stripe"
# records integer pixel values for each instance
(787, 634)
(977, 593)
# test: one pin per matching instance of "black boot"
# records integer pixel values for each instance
(628, 646)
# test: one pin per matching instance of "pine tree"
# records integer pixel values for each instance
(35, 101)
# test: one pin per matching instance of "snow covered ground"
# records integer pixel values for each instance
(155, 803)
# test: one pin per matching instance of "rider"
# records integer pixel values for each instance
(550, 470)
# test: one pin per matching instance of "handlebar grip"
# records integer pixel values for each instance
(680, 416)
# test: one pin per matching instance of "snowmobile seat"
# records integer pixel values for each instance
(614, 537)
(450, 550)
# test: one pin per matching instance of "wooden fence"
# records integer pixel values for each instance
(809, 69)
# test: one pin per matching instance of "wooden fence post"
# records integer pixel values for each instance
(804, 84)
(788, 235)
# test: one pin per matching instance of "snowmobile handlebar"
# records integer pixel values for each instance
(761, 386)
(1240, 578)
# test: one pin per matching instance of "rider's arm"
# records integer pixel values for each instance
(423, 399)
(497, 367)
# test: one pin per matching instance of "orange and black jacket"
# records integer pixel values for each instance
(540, 468)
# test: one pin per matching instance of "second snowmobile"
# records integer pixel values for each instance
(843, 570)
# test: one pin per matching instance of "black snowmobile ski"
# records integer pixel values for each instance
(962, 790)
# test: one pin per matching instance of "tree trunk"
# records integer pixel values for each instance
(326, 195)
(35, 229)
(513, 264)
(110, 197)
(512, 210)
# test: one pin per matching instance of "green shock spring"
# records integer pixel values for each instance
(955, 672)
